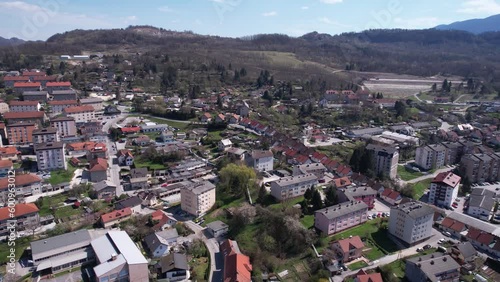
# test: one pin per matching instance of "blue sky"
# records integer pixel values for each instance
(39, 19)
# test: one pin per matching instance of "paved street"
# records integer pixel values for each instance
(427, 176)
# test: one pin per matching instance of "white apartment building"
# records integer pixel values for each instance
(444, 189)
(261, 160)
(58, 106)
(81, 114)
(384, 160)
(96, 103)
(66, 126)
(340, 217)
(198, 198)
(45, 135)
(431, 156)
(317, 169)
(411, 222)
(50, 156)
(292, 186)
(481, 204)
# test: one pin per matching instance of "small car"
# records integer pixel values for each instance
(426, 247)
(420, 250)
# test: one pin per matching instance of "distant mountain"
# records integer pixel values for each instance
(475, 26)
(13, 41)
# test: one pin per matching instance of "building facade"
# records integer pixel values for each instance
(66, 126)
(479, 168)
(444, 189)
(57, 107)
(199, 198)
(81, 114)
(45, 135)
(411, 222)
(340, 217)
(50, 156)
(20, 133)
(24, 106)
(261, 160)
(292, 186)
(430, 156)
(384, 160)
(481, 204)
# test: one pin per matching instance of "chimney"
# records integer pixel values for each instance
(444, 258)
(432, 262)
(113, 256)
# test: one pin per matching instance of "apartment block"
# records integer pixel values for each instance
(24, 106)
(292, 186)
(58, 86)
(20, 133)
(198, 198)
(57, 106)
(33, 116)
(444, 189)
(59, 95)
(81, 114)
(411, 222)
(41, 96)
(96, 103)
(25, 215)
(45, 135)
(363, 193)
(340, 217)
(66, 126)
(430, 156)
(384, 160)
(317, 169)
(50, 156)
(479, 168)
(432, 267)
(261, 160)
(481, 204)
(26, 185)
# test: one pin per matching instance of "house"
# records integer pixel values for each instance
(81, 114)
(234, 119)
(236, 154)
(341, 182)
(261, 160)
(463, 252)
(220, 118)
(444, 189)
(173, 267)
(149, 199)
(362, 276)
(115, 217)
(104, 189)
(134, 203)
(96, 152)
(224, 144)
(237, 266)
(5, 167)
(390, 196)
(91, 128)
(98, 169)
(125, 157)
(26, 185)
(339, 217)
(110, 110)
(411, 222)
(481, 240)
(139, 178)
(24, 216)
(243, 110)
(9, 153)
(50, 156)
(348, 249)
(206, 117)
(361, 193)
(217, 228)
(164, 221)
(432, 267)
(24, 106)
(453, 226)
(481, 204)
(66, 126)
(292, 186)
(148, 128)
(142, 140)
(198, 198)
(159, 243)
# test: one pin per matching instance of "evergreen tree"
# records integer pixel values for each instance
(316, 201)
(331, 197)
(261, 198)
(308, 194)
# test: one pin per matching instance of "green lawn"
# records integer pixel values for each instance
(199, 267)
(357, 265)
(395, 268)
(150, 165)
(287, 203)
(406, 174)
(21, 245)
(175, 124)
(215, 135)
(420, 187)
(61, 176)
(307, 221)
(67, 211)
(54, 201)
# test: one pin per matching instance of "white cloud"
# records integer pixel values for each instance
(331, 1)
(417, 23)
(166, 9)
(304, 8)
(489, 7)
(325, 20)
(328, 21)
(269, 14)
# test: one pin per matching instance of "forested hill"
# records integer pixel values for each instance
(418, 52)
(477, 26)
(10, 42)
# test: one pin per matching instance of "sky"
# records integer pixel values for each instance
(40, 19)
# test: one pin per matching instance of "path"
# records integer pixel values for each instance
(424, 177)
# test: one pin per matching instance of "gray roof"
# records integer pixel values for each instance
(435, 264)
(47, 130)
(138, 172)
(63, 92)
(257, 154)
(34, 93)
(421, 124)
(173, 261)
(127, 247)
(452, 145)
(58, 244)
(200, 188)
(367, 131)
(466, 249)
(379, 148)
(482, 198)
(310, 167)
(359, 191)
(154, 240)
(342, 209)
(414, 209)
(103, 185)
(62, 118)
(476, 223)
(128, 203)
(235, 151)
(49, 146)
(290, 180)
(217, 225)
(91, 100)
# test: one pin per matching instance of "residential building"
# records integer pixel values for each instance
(236, 154)
(57, 106)
(66, 126)
(237, 266)
(292, 186)
(455, 227)
(463, 252)
(243, 110)
(317, 169)
(98, 169)
(5, 167)
(139, 178)
(481, 204)
(111, 110)
(153, 128)
(479, 168)
(83, 147)
(348, 249)
(24, 106)
(97, 152)
(104, 189)
(142, 140)
(81, 114)
(58, 86)
(362, 193)
(164, 221)
(340, 217)
(390, 196)
(411, 222)
(96, 103)
(134, 203)
(430, 156)
(224, 144)
(9, 153)
(198, 198)
(432, 267)
(115, 217)
(20, 87)
(261, 160)
(125, 157)
(91, 128)
(453, 152)
(26, 185)
(160, 243)
(4, 107)
(173, 267)
(28, 117)
(10, 80)
(50, 156)
(363, 276)
(482, 240)
(217, 228)
(41, 96)
(59, 95)
(206, 117)
(384, 160)
(45, 135)
(25, 217)
(21, 133)
(444, 189)
(33, 74)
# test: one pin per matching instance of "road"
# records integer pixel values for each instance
(427, 176)
(173, 120)
(418, 98)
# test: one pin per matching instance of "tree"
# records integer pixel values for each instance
(400, 108)
(331, 197)
(434, 87)
(466, 186)
(445, 85)
(236, 179)
(316, 201)
(62, 68)
(261, 198)
(308, 194)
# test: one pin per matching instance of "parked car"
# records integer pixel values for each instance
(420, 250)
(426, 247)
(446, 233)
(441, 241)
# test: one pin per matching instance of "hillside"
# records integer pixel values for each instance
(417, 52)
(476, 26)
(10, 42)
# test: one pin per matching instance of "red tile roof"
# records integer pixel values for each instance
(23, 103)
(20, 210)
(34, 73)
(24, 115)
(79, 109)
(20, 180)
(453, 224)
(45, 78)
(131, 129)
(351, 243)
(391, 194)
(448, 178)
(124, 153)
(480, 236)
(59, 84)
(6, 163)
(27, 84)
(237, 268)
(79, 146)
(342, 182)
(362, 276)
(10, 150)
(16, 78)
(115, 215)
(98, 165)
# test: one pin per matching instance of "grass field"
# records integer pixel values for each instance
(420, 187)
(307, 221)
(406, 174)
(199, 266)
(21, 245)
(48, 202)
(177, 124)
(357, 265)
(139, 163)
(61, 176)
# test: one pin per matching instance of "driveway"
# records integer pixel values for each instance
(380, 206)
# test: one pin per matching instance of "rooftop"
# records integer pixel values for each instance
(20, 180)
(78, 109)
(49, 146)
(116, 214)
(20, 210)
(200, 188)
(290, 180)
(448, 178)
(343, 209)
(435, 264)
(217, 225)
(258, 154)
(414, 209)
